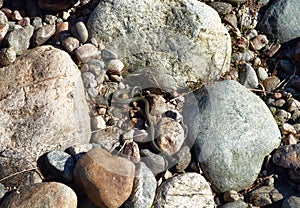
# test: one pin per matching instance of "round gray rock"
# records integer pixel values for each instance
(234, 131)
(291, 202)
(280, 21)
(188, 189)
(171, 42)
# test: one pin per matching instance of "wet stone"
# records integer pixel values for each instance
(43, 34)
(80, 32)
(61, 165)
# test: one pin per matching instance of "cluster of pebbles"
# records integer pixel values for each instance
(266, 67)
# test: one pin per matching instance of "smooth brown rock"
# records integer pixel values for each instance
(106, 179)
(48, 194)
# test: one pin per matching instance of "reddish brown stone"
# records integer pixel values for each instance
(106, 179)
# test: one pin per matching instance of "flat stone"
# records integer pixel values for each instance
(144, 188)
(48, 194)
(228, 128)
(188, 189)
(258, 42)
(191, 45)
(280, 22)
(113, 186)
(43, 106)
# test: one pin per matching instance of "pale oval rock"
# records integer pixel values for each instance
(188, 189)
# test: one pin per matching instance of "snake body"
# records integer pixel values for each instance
(117, 97)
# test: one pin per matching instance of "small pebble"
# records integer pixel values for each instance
(37, 22)
(273, 49)
(87, 52)
(89, 80)
(250, 34)
(258, 42)
(98, 122)
(278, 103)
(288, 129)
(7, 56)
(60, 164)
(248, 76)
(262, 73)
(231, 196)
(80, 32)
(132, 152)
(70, 44)
(93, 92)
(108, 55)
(50, 19)
(43, 34)
(283, 116)
(115, 66)
(24, 22)
(296, 114)
(242, 43)
(292, 104)
(277, 95)
(62, 31)
(271, 83)
(16, 15)
(290, 140)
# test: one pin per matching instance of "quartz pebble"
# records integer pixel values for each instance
(87, 52)
(98, 122)
(70, 44)
(262, 73)
(230, 196)
(7, 56)
(115, 66)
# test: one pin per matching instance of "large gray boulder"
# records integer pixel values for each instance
(167, 42)
(42, 107)
(234, 131)
(281, 20)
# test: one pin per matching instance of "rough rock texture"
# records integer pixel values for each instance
(144, 188)
(42, 107)
(280, 21)
(188, 189)
(106, 179)
(234, 131)
(167, 42)
(48, 194)
(291, 202)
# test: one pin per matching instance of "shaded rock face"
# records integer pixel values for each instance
(106, 179)
(166, 42)
(280, 21)
(48, 194)
(42, 105)
(234, 131)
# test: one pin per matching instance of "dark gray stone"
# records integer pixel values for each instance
(175, 41)
(236, 204)
(155, 162)
(228, 129)
(19, 39)
(80, 32)
(291, 202)
(61, 165)
(108, 55)
(222, 8)
(144, 188)
(280, 22)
